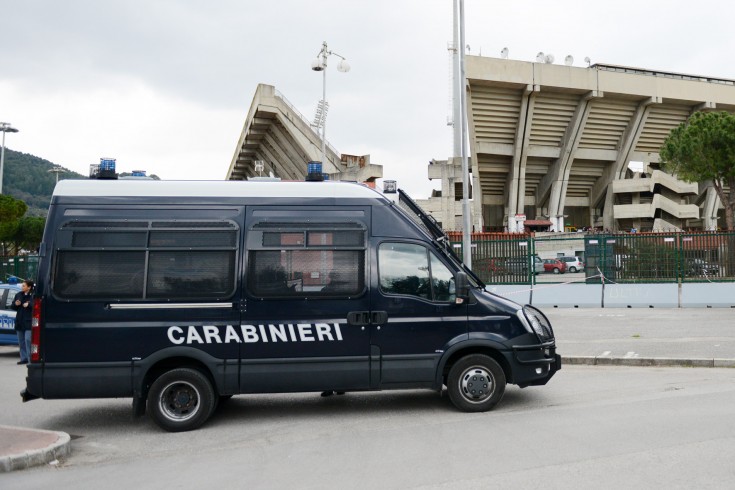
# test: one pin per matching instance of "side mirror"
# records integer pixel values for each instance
(462, 288)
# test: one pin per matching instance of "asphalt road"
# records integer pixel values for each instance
(591, 426)
(598, 427)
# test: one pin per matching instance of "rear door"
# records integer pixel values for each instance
(306, 318)
(414, 312)
(130, 285)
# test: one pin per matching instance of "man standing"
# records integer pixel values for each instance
(23, 305)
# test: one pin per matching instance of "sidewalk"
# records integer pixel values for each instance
(21, 448)
(687, 337)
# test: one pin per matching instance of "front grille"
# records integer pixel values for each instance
(539, 323)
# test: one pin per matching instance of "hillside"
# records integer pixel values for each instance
(27, 177)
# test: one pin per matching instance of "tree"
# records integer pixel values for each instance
(22, 232)
(30, 232)
(11, 209)
(702, 149)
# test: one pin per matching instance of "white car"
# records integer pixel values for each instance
(574, 264)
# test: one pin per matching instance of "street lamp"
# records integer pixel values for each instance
(320, 64)
(56, 170)
(5, 128)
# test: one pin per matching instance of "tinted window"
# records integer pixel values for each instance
(158, 260)
(100, 274)
(410, 269)
(190, 274)
(307, 260)
(442, 280)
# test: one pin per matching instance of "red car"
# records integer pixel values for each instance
(555, 266)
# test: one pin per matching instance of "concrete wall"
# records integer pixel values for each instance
(696, 295)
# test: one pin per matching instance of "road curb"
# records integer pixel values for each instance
(34, 456)
(646, 361)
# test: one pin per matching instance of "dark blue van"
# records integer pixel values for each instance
(178, 294)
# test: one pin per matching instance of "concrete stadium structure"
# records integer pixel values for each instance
(278, 135)
(551, 145)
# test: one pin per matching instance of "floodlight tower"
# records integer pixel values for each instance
(4, 128)
(320, 64)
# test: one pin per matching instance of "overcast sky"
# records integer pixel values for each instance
(165, 85)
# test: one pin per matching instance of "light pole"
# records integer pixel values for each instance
(320, 64)
(466, 210)
(5, 128)
(56, 170)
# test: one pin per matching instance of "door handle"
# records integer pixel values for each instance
(367, 317)
(378, 317)
(358, 317)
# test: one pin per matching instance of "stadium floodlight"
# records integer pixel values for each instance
(320, 64)
(4, 128)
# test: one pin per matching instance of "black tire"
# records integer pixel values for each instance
(572, 269)
(556, 270)
(476, 383)
(181, 399)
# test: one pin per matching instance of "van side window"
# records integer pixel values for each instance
(410, 269)
(306, 260)
(146, 260)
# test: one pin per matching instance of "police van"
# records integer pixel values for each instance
(180, 294)
(8, 335)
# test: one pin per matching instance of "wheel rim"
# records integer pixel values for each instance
(476, 384)
(179, 401)
(573, 269)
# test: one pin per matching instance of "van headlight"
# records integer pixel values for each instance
(536, 322)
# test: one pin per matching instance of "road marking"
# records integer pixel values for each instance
(606, 353)
(630, 354)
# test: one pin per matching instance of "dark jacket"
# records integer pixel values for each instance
(24, 314)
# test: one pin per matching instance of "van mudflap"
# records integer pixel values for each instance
(27, 396)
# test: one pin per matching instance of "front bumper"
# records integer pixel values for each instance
(536, 364)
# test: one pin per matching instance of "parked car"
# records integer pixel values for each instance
(574, 263)
(519, 265)
(538, 264)
(7, 314)
(555, 266)
(700, 267)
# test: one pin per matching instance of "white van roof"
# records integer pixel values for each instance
(213, 188)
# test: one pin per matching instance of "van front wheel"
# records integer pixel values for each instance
(181, 399)
(476, 383)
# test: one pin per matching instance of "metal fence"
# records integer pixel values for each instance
(21, 266)
(504, 258)
(612, 258)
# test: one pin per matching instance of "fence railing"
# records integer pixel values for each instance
(503, 258)
(620, 258)
(21, 266)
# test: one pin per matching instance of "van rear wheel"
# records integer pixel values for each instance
(476, 383)
(181, 399)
